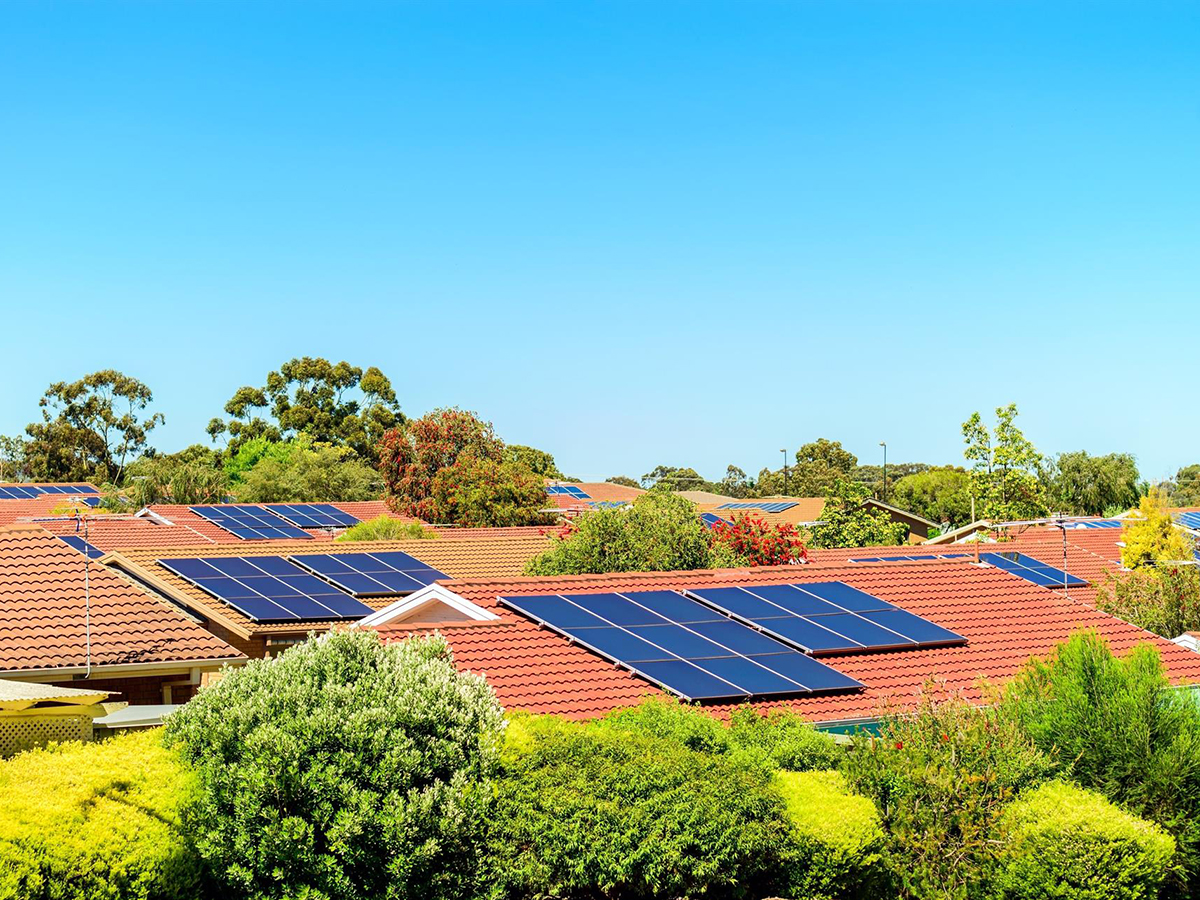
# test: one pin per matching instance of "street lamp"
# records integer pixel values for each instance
(883, 444)
(783, 450)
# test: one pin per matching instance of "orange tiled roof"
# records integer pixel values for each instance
(1005, 620)
(473, 557)
(44, 616)
(807, 509)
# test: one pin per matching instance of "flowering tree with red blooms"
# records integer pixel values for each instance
(759, 542)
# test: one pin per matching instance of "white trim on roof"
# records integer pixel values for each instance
(420, 600)
(147, 513)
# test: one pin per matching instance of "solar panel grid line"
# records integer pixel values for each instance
(250, 522)
(312, 515)
(370, 574)
(78, 543)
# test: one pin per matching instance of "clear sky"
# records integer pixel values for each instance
(629, 233)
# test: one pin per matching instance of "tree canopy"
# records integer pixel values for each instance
(336, 404)
(1152, 537)
(1185, 491)
(1004, 468)
(942, 495)
(1084, 485)
(845, 522)
(90, 428)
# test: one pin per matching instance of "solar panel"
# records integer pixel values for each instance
(14, 492)
(1030, 569)
(250, 523)
(1100, 523)
(924, 556)
(771, 506)
(1189, 520)
(90, 501)
(267, 588)
(826, 617)
(682, 645)
(313, 515)
(710, 520)
(78, 543)
(371, 574)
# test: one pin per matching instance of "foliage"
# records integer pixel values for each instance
(659, 532)
(307, 473)
(1116, 726)
(780, 739)
(871, 476)
(837, 837)
(759, 543)
(623, 480)
(337, 404)
(1083, 485)
(14, 466)
(345, 768)
(941, 778)
(1185, 491)
(941, 494)
(385, 528)
(1152, 537)
(736, 484)
(674, 478)
(411, 455)
(96, 821)
(481, 492)
(190, 476)
(250, 452)
(539, 462)
(1164, 599)
(818, 467)
(845, 522)
(1062, 841)
(90, 428)
(596, 813)
(1004, 468)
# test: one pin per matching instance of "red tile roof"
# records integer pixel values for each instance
(45, 615)
(1005, 620)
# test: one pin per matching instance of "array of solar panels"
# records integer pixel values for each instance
(923, 556)
(772, 506)
(1099, 523)
(1031, 569)
(568, 490)
(710, 520)
(1189, 520)
(276, 520)
(29, 491)
(78, 543)
(313, 587)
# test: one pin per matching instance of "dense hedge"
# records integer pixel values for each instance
(344, 769)
(93, 821)
(592, 812)
(837, 838)
(1063, 841)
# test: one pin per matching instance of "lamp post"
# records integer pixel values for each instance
(883, 444)
(783, 450)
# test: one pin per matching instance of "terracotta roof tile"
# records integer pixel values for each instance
(44, 618)
(1005, 620)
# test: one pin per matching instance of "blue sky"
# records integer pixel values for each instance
(630, 233)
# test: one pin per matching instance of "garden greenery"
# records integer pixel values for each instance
(386, 528)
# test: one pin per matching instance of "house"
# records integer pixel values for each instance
(68, 621)
(242, 591)
(580, 496)
(995, 621)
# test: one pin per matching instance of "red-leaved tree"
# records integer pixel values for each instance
(761, 543)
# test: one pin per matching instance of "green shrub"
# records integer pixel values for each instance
(780, 739)
(1118, 727)
(1063, 841)
(941, 778)
(586, 812)
(344, 769)
(93, 821)
(385, 528)
(838, 840)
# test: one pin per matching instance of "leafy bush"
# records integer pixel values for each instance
(838, 840)
(385, 528)
(845, 522)
(1152, 537)
(597, 812)
(481, 492)
(660, 532)
(1161, 599)
(96, 821)
(1062, 841)
(940, 778)
(344, 769)
(1116, 726)
(306, 473)
(755, 542)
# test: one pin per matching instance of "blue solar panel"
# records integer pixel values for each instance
(773, 506)
(826, 617)
(711, 519)
(1100, 523)
(681, 644)
(267, 588)
(250, 523)
(918, 558)
(568, 490)
(1189, 520)
(313, 515)
(371, 574)
(1031, 569)
(78, 543)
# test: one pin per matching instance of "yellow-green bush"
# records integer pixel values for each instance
(838, 837)
(96, 822)
(1060, 840)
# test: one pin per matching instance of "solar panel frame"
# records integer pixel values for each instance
(313, 515)
(1032, 570)
(76, 542)
(371, 574)
(257, 587)
(681, 658)
(250, 522)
